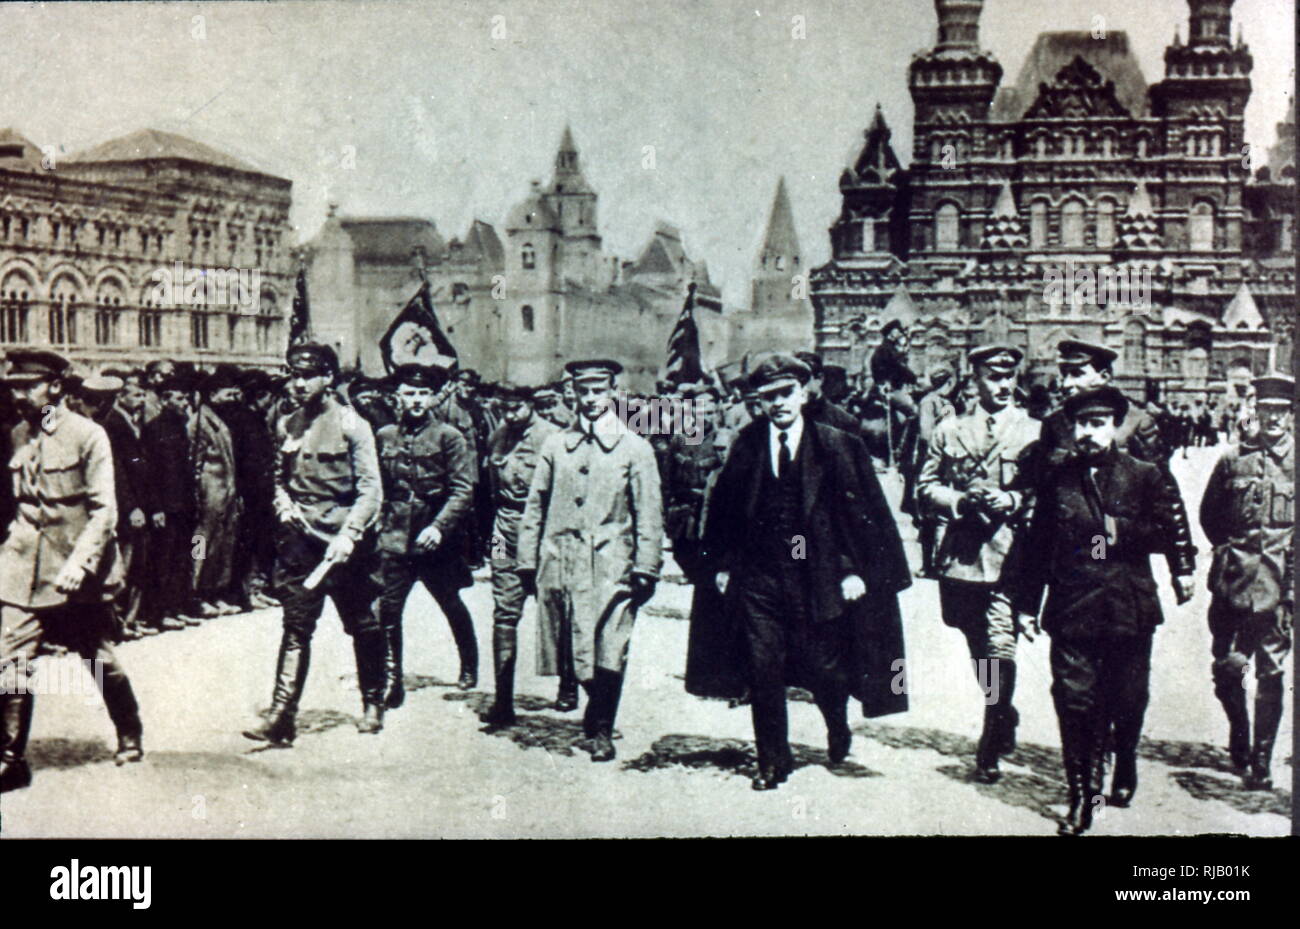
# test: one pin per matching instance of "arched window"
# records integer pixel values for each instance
(108, 309)
(1105, 223)
(1142, 147)
(526, 318)
(15, 298)
(1038, 224)
(1040, 146)
(528, 256)
(1072, 224)
(947, 227)
(63, 312)
(1200, 228)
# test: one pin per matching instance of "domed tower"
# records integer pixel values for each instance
(874, 192)
(573, 203)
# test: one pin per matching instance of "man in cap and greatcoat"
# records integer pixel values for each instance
(513, 452)
(1248, 514)
(219, 508)
(59, 564)
(328, 493)
(590, 545)
(801, 542)
(968, 484)
(1098, 518)
(428, 472)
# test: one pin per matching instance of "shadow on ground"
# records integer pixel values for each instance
(551, 733)
(1208, 787)
(67, 753)
(730, 756)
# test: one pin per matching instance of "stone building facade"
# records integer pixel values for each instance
(1078, 199)
(519, 303)
(147, 246)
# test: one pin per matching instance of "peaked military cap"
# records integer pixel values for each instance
(999, 356)
(311, 359)
(595, 369)
(1083, 352)
(417, 375)
(1274, 388)
(28, 365)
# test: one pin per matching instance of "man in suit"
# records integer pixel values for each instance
(798, 533)
(591, 546)
(968, 484)
(1099, 517)
(59, 565)
(168, 551)
(1248, 514)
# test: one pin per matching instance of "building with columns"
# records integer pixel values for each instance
(1076, 198)
(91, 245)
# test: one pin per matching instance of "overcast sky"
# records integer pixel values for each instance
(450, 123)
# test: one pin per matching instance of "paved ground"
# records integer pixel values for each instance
(683, 763)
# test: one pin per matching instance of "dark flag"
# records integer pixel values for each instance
(684, 365)
(300, 320)
(415, 337)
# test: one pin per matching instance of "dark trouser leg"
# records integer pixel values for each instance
(1126, 685)
(355, 592)
(970, 607)
(448, 599)
(101, 661)
(604, 691)
(398, 578)
(1229, 673)
(1274, 638)
(127, 605)
(302, 609)
(771, 731)
(508, 603)
(1076, 695)
(764, 606)
(566, 697)
(833, 702)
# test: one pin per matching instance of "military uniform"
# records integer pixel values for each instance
(512, 457)
(974, 451)
(327, 476)
(591, 539)
(428, 473)
(1248, 514)
(1096, 523)
(61, 472)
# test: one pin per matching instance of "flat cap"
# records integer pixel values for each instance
(544, 396)
(1106, 397)
(518, 393)
(999, 356)
(225, 375)
(28, 365)
(311, 359)
(1081, 352)
(184, 379)
(254, 380)
(1274, 388)
(812, 360)
(778, 366)
(417, 375)
(363, 384)
(597, 368)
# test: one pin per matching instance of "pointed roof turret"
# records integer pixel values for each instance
(568, 174)
(1138, 229)
(877, 157)
(1242, 311)
(1005, 208)
(780, 238)
(1004, 230)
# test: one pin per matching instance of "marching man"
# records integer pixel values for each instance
(590, 546)
(59, 567)
(1248, 514)
(327, 498)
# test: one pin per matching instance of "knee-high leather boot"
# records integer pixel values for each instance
(15, 725)
(290, 676)
(1083, 756)
(607, 690)
(395, 690)
(1009, 717)
(1268, 716)
(502, 711)
(1232, 696)
(369, 647)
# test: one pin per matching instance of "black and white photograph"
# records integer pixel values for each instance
(542, 419)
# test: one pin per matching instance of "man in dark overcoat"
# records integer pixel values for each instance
(806, 551)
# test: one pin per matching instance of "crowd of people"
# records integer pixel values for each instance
(148, 500)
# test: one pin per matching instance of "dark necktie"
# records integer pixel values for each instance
(783, 456)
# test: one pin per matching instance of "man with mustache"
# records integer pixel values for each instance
(968, 483)
(59, 566)
(328, 494)
(1248, 514)
(1099, 517)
